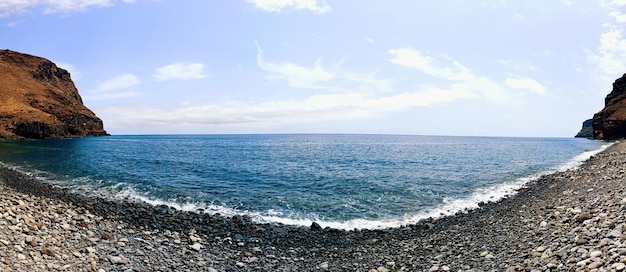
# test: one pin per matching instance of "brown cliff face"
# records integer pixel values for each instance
(38, 100)
(610, 122)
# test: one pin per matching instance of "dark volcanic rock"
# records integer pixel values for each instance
(587, 130)
(38, 100)
(610, 122)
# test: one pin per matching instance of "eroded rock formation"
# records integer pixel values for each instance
(587, 130)
(38, 100)
(610, 122)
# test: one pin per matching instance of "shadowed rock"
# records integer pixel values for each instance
(587, 130)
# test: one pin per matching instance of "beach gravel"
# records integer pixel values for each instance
(567, 221)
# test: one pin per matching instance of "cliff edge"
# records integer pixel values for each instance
(38, 100)
(610, 122)
(587, 130)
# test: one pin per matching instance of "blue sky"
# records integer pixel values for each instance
(483, 68)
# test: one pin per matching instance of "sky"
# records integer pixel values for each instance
(531, 68)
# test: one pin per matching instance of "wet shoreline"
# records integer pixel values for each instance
(560, 221)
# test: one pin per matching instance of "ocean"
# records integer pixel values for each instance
(339, 181)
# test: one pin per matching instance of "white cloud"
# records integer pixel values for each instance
(414, 59)
(9, 7)
(489, 89)
(361, 96)
(619, 17)
(280, 5)
(619, 2)
(117, 87)
(297, 76)
(525, 83)
(316, 108)
(124, 81)
(317, 76)
(180, 71)
(462, 79)
(368, 82)
(609, 58)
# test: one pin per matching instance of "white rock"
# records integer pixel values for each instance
(382, 269)
(115, 259)
(196, 246)
(595, 253)
(614, 234)
(21, 257)
(541, 249)
(324, 265)
(618, 266)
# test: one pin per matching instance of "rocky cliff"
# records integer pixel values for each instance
(610, 122)
(587, 130)
(38, 100)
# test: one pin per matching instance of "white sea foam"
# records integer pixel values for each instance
(579, 159)
(132, 194)
(449, 206)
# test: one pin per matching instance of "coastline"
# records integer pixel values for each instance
(565, 220)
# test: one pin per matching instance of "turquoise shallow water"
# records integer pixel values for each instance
(342, 181)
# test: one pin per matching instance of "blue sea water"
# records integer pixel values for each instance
(341, 181)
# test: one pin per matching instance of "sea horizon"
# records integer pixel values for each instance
(336, 133)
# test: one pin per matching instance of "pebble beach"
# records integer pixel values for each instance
(567, 221)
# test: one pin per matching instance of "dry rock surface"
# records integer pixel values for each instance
(567, 221)
(610, 122)
(39, 100)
